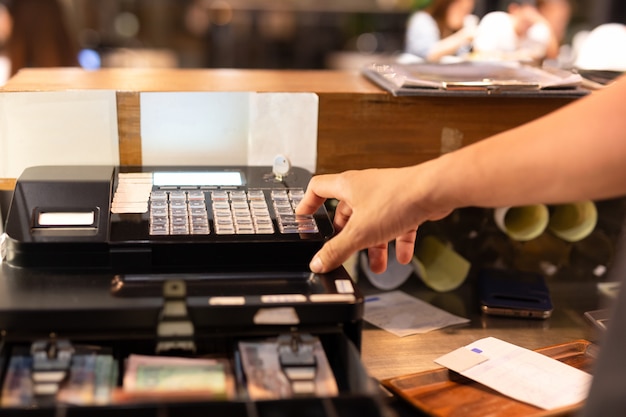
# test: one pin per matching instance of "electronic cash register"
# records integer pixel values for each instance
(163, 260)
(151, 219)
(116, 234)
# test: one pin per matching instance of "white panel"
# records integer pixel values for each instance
(284, 123)
(57, 128)
(194, 128)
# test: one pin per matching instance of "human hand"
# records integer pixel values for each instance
(375, 207)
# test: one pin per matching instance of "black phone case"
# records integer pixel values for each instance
(514, 293)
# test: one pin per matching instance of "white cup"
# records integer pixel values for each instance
(522, 223)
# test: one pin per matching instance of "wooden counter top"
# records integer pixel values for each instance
(146, 79)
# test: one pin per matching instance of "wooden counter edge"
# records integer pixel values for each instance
(191, 79)
(7, 184)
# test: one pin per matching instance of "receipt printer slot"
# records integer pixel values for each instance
(65, 221)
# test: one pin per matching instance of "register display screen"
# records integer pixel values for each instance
(198, 179)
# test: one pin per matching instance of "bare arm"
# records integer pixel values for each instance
(576, 152)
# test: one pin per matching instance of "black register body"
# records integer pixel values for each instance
(151, 219)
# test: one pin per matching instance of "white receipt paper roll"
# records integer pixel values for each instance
(522, 223)
(574, 221)
(439, 266)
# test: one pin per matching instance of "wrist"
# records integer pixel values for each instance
(434, 184)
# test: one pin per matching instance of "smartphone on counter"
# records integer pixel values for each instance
(505, 292)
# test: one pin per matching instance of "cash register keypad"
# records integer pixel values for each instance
(186, 212)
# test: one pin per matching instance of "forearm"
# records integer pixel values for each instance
(560, 158)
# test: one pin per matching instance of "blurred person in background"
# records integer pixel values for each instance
(441, 28)
(520, 33)
(558, 14)
(40, 37)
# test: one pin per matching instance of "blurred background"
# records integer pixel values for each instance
(278, 34)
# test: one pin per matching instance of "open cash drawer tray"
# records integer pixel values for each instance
(87, 309)
(357, 394)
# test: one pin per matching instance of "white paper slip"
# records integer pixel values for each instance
(403, 315)
(519, 373)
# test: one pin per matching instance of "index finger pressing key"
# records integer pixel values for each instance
(316, 194)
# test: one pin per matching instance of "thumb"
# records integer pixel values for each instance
(334, 253)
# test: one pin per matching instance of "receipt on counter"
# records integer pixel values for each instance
(401, 314)
(519, 373)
